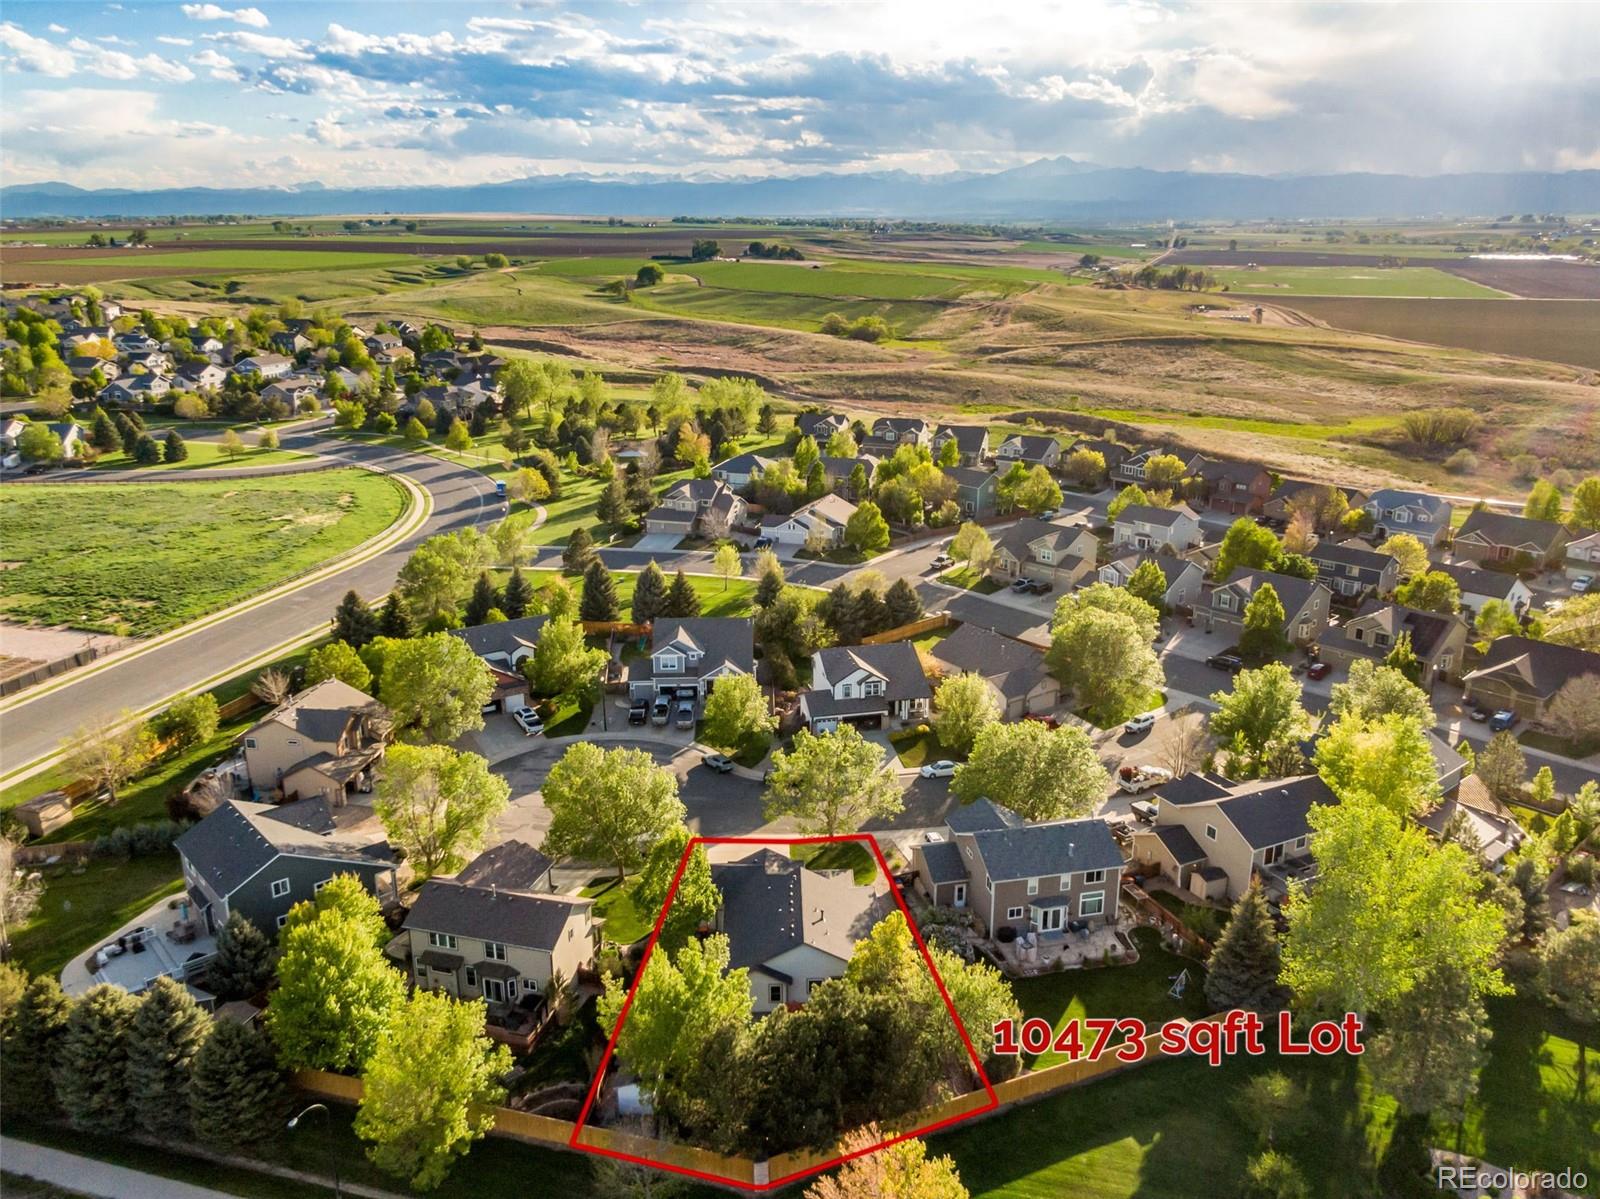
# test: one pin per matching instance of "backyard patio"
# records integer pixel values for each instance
(168, 938)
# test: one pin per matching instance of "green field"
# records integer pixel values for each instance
(1421, 281)
(149, 556)
(203, 454)
(80, 907)
(243, 260)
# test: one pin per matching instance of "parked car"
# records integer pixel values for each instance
(1502, 720)
(1478, 715)
(661, 710)
(1581, 584)
(942, 562)
(1021, 585)
(941, 769)
(685, 694)
(528, 721)
(1232, 663)
(1040, 587)
(1318, 670)
(639, 711)
(721, 763)
(1140, 724)
(1049, 722)
(764, 543)
(684, 717)
(1143, 810)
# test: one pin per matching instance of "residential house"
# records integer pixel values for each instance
(1115, 455)
(977, 491)
(1238, 488)
(134, 389)
(135, 342)
(972, 443)
(692, 654)
(1353, 570)
(867, 685)
(1014, 670)
(1438, 640)
(1061, 555)
(1492, 826)
(1213, 836)
(1305, 604)
(821, 425)
(157, 362)
(791, 927)
(383, 343)
(1583, 556)
(837, 471)
(1478, 587)
(1501, 537)
(1147, 527)
(504, 646)
(1184, 578)
(1030, 449)
(1521, 675)
(1033, 878)
(84, 365)
(515, 865)
(201, 376)
(823, 518)
(890, 432)
(261, 859)
(737, 471)
(1280, 504)
(268, 366)
(708, 507)
(291, 391)
(1132, 467)
(324, 742)
(1425, 517)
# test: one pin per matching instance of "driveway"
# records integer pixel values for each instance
(657, 543)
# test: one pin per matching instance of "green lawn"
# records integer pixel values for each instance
(839, 855)
(80, 908)
(971, 580)
(735, 597)
(625, 923)
(148, 556)
(203, 454)
(915, 748)
(1424, 281)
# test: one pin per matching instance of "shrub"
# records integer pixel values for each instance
(1440, 428)
(1462, 462)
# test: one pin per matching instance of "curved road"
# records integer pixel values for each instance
(462, 498)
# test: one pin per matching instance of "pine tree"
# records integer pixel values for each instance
(612, 508)
(842, 617)
(354, 622)
(243, 965)
(1243, 971)
(394, 621)
(483, 598)
(682, 599)
(104, 437)
(32, 1040)
(901, 603)
(145, 451)
(769, 585)
(128, 432)
(167, 1031)
(173, 448)
(517, 596)
(871, 616)
(91, 1066)
(599, 594)
(579, 553)
(236, 1095)
(649, 594)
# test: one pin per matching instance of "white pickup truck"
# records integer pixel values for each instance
(1134, 779)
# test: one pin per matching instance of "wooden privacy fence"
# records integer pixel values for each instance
(939, 620)
(1164, 919)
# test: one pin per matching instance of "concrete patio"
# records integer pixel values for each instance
(168, 938)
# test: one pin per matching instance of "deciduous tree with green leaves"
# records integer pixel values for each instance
(1262, 633)
(1409, 551)
(435, 687)
(336, 660)
(1130, 496)
(866, 531)
(1260, 721)
(831, 782)
(972, 545)
(1039, 772)
(737, 713)
(562, 663)
(1387, 759)
(1570, 976)
(1430, 591)
(725, 563)
(696, 900)
(1246, 544)
(964, 705)
(438, 804)
(1101, 648)
(1147, 582)
(609, 806)
(1502, 767)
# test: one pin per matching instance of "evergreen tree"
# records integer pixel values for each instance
(871, 614)
(1243, 971)
(104, 436)
(517, 596)
(354, 622)
(1262, 634)
(901, 603)
(394, 621)
(612, 507)
(579, 553)
(91, 1066)
(483, 598)
(243, 965)
(599, 600)
(839, 610)
(769, 585)
(167, 1031)
(128, 432)
(236, 1095)
(31, 1042)
(682, 599)
(173, 448)
(145, 451)
(649, 594)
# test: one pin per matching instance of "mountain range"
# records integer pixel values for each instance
(1046, 189)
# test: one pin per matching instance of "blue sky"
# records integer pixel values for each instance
(156, 95)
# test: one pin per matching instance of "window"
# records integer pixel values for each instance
(1444, 662)
(872, 687)
(317, 889)
(442, 940)
(472, 977)
(249, 742)
(282, 920)
(1092, 904)
(1224, 600)
(1359, 633)
(1033, 886)
(1300, 843)
(669, 662)
(294, 741)
(1013, 913)
(530, 984)
(494, 951)
(775, 993)
(1211, 832)
(1401, 516)
(847, 690)
(280, 888)
(1094, 876)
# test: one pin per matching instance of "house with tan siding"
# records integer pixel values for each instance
(323, 742)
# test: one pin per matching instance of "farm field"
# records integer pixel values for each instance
(1420, 281)
(145, 557)
(1555, 330)
(241, 259)
(1554, 280)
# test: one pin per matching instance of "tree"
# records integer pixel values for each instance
(485, 597)
(1431, 1048)
(415, 430)
(1496, 619)
(429, 1087)
(1245, 964)
(38, 443)
(1271, 1175)
(1529, 879)
(103, 434)
(562, 664)
(1259, 719)
(1586, 504)
(609, 806)
(353, 621)
(173, 448)
(964, 705)
(1574, 711)
(458, 437)
(336, 660)
(1270, 1103)
(901, 603)
(1101, 647)
(1502, 767)
(579, 552)
(91, 1063)
(1544, 502)
(1085, 467)
(1148, 583)
(902, 1171)
(1038, 491)
(1577, 624)
(972, 545)
(517, 596)
(20, 894)
(1262, 634)
(435, 687)
(599, 601)
(232, 444)
(725, 563)
(1038, 772)
(866, 531)
(190, 719)
(649, 594)
(1387, 759)
(268, 439)
(1430, 591)
(736, 713)
(1401, 657)
(432, 583)
(166, 1033)
(1570, 977)
(696, 900)
(394, 621)
(145, 451)
(1407, 550)
(1373, 691)
(529, 486)
(31, 1036)
(831, 783)
(613, 508)
(438, 804)
(272, 686)
(1246, 545)
(243, 965)
(107, 755)
(336, 991)
(236, 1092)
(683, 601)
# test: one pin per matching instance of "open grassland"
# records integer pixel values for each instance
(148, 556)
(1419, 281)
(203, 454)
(243, 260)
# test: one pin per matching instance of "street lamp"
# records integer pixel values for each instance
(294, 1122)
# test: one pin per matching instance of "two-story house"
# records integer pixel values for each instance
(691, 654)
(1061, 555)
(1305, 604)
(791, 927)
(292, 391)
(707, 507)
(268, 366)
(201, 376)
(322, 742)
(1489, 536)
(1014, 670)
(865, 684)
(737, 471)
(821, 425)
(822, 520)
(1583, 556)
(1438, 640)
(1030, 449)
(1239, 488)
(1111, 453)
(1425, 517)
(977, 491)
(1132, 467)
(890, 432)
(135, 389)
(837, 472)
(504, 646)
(1353, 570)
(1185, 580)
(1146, 527)
(972, 443)
(1478, 587)
(1522, 675)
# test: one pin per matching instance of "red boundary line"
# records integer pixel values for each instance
(611, 1044)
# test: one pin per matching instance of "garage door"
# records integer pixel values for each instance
(826, 725)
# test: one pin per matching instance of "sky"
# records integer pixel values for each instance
(372, 94)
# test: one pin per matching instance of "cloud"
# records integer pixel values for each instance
(54, 28)
(220, 66)
(253, 17)
(263, 44)
(115, 64)
(35, 53)
(168, 40)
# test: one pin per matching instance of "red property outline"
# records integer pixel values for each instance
(894, 889)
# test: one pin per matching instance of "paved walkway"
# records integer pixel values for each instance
(93, 1177)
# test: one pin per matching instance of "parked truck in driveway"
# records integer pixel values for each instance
(1134, 779)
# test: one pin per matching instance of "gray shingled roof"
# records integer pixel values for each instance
(723, 641)
(239, 838)
(1538, 668)
(320, 712)
(771, 904)
(1276, 812)
(1292, 591)
(970, 439)
(1040, 849)
(896, 662)
(981, 815)
(1014, 668)
(505, 637)
(489, 914)
(1196, 787)
(511, 866)
(1504, 528)
(944, 862)
(1185, 850)
(1148, 514)
(1473, 581)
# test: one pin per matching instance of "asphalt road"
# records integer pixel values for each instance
(461, 498)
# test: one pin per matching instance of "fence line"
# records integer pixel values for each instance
(1167, 919)
(905, 632)
(48, 670)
